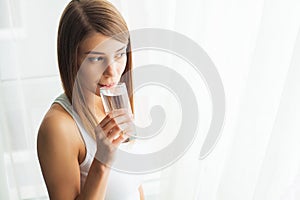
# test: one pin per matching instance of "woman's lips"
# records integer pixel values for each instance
(106, 85)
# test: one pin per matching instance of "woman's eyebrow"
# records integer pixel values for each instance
(94, 52)
(121, 49)
(101, 53)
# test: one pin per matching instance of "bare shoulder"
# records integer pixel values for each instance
(56, 119)
(57, 130)
(59, 127)
(58, 147)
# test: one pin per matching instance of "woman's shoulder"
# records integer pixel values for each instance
(57, 118)
(58, 126)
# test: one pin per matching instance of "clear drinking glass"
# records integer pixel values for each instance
(116, 97)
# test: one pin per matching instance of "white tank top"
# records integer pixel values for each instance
(120, 186)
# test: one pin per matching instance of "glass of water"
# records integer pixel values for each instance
(116, 97)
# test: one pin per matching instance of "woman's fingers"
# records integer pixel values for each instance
(113, 114)
(120, 130)
(110, 133)
(120, 139)
(117, 121)
(123, 135)
(113, 133)
(115, 125)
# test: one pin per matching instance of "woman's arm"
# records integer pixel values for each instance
(142, 195)
(96, 182)
(58, 151)
(58, 147)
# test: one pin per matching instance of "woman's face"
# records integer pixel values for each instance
(102, 61)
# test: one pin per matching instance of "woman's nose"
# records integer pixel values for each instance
(110, 69)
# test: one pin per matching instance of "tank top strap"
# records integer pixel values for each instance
(87, 138)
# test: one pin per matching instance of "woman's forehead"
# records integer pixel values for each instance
(100, 43)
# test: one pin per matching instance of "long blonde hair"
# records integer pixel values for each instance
(79, 19)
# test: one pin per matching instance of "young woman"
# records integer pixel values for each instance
(77, 140)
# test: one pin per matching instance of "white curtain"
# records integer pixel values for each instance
(255, 45)
(29, 82)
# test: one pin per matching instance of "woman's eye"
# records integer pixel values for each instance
(120, 55)
(95, 59)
